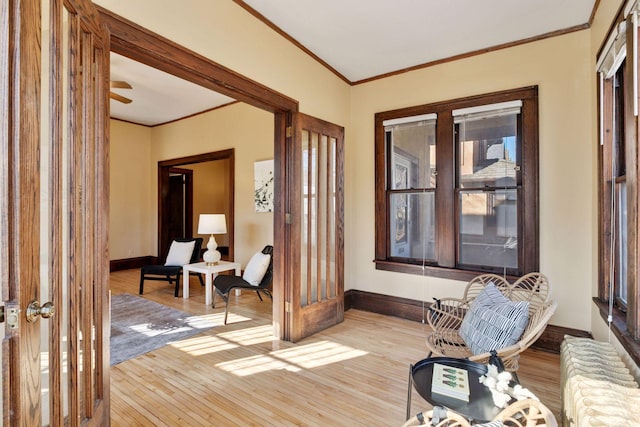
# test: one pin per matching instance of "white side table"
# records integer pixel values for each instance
(209, 273)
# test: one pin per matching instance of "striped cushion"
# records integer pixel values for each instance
(496, 423)
(493, 321)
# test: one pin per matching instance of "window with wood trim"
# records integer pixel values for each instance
(457, 186)
(618, 180)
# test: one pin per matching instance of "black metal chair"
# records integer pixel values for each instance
(171, 273)
(224, 284)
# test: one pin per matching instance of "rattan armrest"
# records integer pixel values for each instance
(447, 313)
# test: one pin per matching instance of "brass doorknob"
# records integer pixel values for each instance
(35, 309)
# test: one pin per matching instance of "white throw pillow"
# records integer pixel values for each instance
(180, 253)
(256, 268)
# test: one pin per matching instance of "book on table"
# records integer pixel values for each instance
(451, 382)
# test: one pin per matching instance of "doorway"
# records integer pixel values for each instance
(142, 45)
(178, 207)
(179, 204)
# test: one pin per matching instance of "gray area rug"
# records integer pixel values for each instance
(139, 326)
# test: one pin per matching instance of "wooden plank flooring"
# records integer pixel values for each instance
(354, 374)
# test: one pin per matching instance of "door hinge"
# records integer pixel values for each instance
(287, 307)
(288, 219)
(10, 315)
(289, 131)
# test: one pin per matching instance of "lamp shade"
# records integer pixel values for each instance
(212, 224)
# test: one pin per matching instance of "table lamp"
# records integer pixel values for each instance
(212, 224)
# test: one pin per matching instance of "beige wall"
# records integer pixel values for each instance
(226, 33)
(130, 192)
(250, 132)
(136, 151)
(211, 193)
(560, 66)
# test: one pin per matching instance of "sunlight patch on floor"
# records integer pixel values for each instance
(250, 336)
(203, 344)
(235, 318)
(255, 365)
(317, 354)
(205, 320)
(294, 359)
(152, 330)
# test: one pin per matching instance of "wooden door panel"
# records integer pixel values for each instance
(54, 174)
(314, 285)
(316, 317)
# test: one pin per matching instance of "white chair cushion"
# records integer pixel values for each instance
(493, 321)
(257, 266)
(180, 253)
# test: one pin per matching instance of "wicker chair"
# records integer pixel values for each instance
(446, 316)
(522, 413)
(527, 413)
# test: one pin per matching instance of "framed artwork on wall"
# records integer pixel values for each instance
(264, 184)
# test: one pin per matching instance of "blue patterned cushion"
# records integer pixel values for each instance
(493, 321)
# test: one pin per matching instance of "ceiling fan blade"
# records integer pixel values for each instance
(120, 85)
(119, 98)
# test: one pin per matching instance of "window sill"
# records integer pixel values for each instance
(431, 271)
(619, 328)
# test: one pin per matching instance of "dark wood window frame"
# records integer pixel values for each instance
(625, 321)
(445, 265)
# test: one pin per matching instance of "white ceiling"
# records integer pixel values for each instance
(360, 39)
(157, 97)
(367, 38)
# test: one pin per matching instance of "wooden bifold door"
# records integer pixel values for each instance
(314, 292)
(54, 178)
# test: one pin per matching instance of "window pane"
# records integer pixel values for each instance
(487, 150)
(412, 233)
(488, 233)
(621, 255)
(413, 148)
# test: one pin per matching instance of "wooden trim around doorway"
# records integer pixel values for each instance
(167, 165)
(133, 41)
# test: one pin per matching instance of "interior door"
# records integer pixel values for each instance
(54, 60)
(314, 285)
(176, 202)
(178, 208)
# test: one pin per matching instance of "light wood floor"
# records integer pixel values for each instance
(354, 374)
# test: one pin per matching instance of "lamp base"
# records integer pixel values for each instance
(212, 255)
